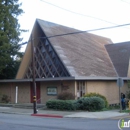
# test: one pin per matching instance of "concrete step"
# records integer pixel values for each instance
(23, 105)
(6, 105)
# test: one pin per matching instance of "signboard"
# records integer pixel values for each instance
(120, 82)
(52, 90)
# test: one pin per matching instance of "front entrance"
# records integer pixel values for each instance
(38, 95)
(80, 89)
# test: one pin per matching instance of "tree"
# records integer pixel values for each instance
(9, 37)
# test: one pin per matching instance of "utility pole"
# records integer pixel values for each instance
(33, 77)
(120, 83)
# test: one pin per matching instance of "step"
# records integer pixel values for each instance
(23, 105)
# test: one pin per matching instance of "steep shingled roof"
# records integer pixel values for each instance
(83, 54)
(120, 54)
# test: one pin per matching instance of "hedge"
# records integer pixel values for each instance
(85, 103)
(61, 104)
(90, 103)
(97, 95)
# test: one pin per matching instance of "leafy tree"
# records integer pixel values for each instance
(9, 38)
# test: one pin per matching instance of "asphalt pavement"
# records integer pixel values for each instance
(26, 122)
(65, 114)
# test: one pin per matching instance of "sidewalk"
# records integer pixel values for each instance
(61, 114)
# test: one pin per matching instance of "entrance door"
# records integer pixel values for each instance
(37, 92)
(80, 89)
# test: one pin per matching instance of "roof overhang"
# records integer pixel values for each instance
(100, 78)
(37, 80)
(64, 78)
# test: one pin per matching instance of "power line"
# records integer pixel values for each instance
(92, 30)
(125, 1)
(79, 13)
(98, 29)
(23, 43)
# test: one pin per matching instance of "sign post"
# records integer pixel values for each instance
(120, 83)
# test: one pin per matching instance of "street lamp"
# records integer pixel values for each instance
(33, 78)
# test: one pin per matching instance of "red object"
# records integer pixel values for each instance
(47, 115)
(37, 92)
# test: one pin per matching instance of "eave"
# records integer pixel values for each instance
(64, 78)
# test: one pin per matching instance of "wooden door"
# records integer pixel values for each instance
(38, 95)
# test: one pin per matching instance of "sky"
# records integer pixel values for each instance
(79, 14)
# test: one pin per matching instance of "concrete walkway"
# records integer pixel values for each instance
(67, 114)
(99, 115)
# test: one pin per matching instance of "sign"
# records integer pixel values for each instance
(124, 124)
(52, 90)
(120, 82)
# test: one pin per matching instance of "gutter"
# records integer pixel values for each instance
(65, 78)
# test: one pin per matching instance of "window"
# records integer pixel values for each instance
(51, 90)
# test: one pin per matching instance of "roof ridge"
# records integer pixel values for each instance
(73, 28)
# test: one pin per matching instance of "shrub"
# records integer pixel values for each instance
(128, 94)
(97, 95)
(90, 103)
(65, 96)
(61, 104)
(85, 103)
(5, 99)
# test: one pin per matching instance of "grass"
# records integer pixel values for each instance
(111, 108)
(125, 111)
(116, 107)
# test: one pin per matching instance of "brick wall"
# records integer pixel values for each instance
(107, 88)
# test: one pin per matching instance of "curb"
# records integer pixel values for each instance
(38, 115)
(15, 113)
(47, 115)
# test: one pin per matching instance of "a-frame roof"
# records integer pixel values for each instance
(120, 54)
(81, 54)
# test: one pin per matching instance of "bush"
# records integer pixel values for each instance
(5, 99)
(97, 95)
(86, 103)
(61, 104)
(128, 94)
(90, 103)
(65, 96)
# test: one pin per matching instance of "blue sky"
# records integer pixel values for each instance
(79, 14)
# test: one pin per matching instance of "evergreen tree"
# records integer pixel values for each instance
(9, 37)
